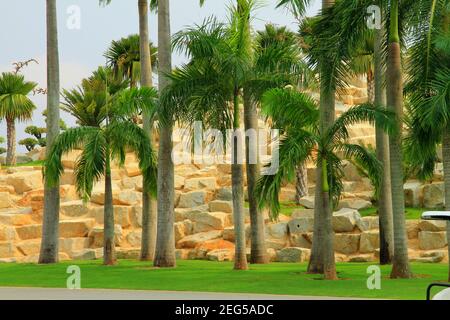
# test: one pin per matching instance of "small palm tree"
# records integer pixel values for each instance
(15, 105)
(298, 115)
(101, 144)
(124, 57)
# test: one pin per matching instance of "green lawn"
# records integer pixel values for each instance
(36, 163)
(411, 213)
(275, 278)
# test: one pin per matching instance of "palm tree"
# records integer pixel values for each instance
(124, 56)
(14, 105)
(87, 103)
(303, 139)
(50, 224)
(275, 63)
(427, 89)
(400, 267)
(101, 144)
(165, 241)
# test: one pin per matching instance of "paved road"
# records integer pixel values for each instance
(101, 294)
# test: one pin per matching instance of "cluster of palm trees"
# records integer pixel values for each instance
(229, 66)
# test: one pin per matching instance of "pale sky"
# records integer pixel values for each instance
(22, 34)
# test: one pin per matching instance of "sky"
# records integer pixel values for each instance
(22, 35)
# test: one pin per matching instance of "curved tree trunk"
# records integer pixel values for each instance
(11, 142)
(382, 149)
(446, 161)
(149, 219)
(237, 181)
(301, 182)
(400, 268)
(258, 253)
(50, 224)
(109, 254)
(321, 227)
(165, 241)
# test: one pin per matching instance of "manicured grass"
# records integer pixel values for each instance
(275, 278)
(411, 213)
(36, 163)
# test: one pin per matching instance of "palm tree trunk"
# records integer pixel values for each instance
(382, 149)
(109, 254)
(327, 115)
(258, 253)
(50, 224)
(301, 182)
(370, 86)
(329, 264)
(400, 268)
(11, 142)
(149, 215)
(165, 241)
(237, 181)
(446, 161)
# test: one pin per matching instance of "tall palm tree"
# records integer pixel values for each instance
(165, 241)
(15, 105)
(149, 214)
(303, 139)
(400, 267)
(110, 140)
(428, 94)
(124, 55)
(50, 224)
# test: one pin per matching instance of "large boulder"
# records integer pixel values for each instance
(207, 221)
(346, 243)
(98, 194)
(301, 225)
(221, 206)
(134, 238)
(224, 194)
(229, 234)
(433, 195)
(16, 216)
(5, 200)
(293, 254)
(432, 225)
(25, 181)
(351, 173)
(7, 249)
(197, 239)
(346, 219)
(412, 229)
(72, 245)
(220, 255)
(74, 209)
(192, 199)
(136, 216)
(129, 198)
(429, 240)
(88, 254)
(179, 182)
(96, 236)
(301, 240)
(30, 231)
(69, 159)
(75, 228)
(207, 183)
(132, 183)
(7, 233)
(355, 203)
(307, 202)
(369, 242)
(183, 229)
(277, 230)
(372, 222)
(413, 193)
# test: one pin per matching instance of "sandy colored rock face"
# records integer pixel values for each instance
(345, 220)
(7, 233)
(25, 181)
(192, 199)
(433, 195)
(293, 254)
(301, 225)
(429, 240)
(197, 239)
(432, 225)
(74, 209)
(207, 183)
(369, 242)
(346, 243)
(75, 228)
(96, 236)
(5, 200)
(221, 206)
